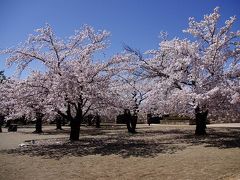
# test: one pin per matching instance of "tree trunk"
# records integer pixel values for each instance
(98, 121)
(129, 125)
(133, 123)
(38, 126)
(63, 121)
(149, 116)
(8, 123)
(201, 120)
(59, 123)
(75, 129)
(1, 122)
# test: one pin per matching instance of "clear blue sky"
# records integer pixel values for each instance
(134, 22)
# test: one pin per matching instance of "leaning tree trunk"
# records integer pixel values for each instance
(201, 120)
(38, 126)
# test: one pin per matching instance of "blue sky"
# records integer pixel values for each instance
(133, 22)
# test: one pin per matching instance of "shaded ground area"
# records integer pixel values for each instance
(171, 152)
(115, 141)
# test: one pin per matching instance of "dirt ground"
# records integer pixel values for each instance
(155, 152)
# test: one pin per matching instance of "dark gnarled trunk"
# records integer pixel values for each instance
(131, 121)
(129, 125)
(58, 123)
(1, 122)
(149, 116)
(98, 121)
(38, 126)
(75, 124)
(75, 129)
(8, 123)
(201, 120)
(134, 123)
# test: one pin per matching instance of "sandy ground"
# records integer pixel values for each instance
(11, 140)
(155, 152)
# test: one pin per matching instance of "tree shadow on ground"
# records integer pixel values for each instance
(217, 137)
(120, 144)
(91, 130)
(148, 143)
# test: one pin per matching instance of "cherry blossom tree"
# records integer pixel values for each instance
(130, 92)
(25, 98)
(201, 77)
(75, 82)
(2, 112)
(32, 95)
(5, 99)
(132, 87)
(197, 77)
(217, 63)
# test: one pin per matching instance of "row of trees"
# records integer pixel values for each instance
(195, 77)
